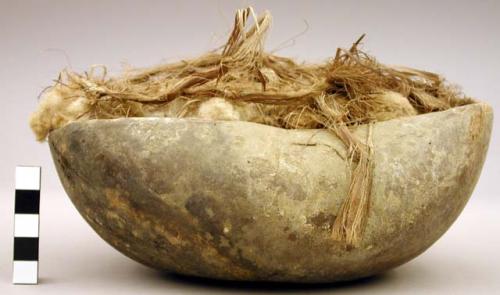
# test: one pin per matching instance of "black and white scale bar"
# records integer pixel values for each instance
(26, 225)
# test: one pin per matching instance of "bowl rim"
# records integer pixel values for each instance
(457, 109)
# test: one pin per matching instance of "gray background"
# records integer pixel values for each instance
(458, 39)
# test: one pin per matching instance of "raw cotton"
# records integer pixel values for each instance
(240, 81)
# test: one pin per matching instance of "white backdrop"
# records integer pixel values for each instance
(458, 39)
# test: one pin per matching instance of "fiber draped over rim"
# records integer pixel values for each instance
(350, 89)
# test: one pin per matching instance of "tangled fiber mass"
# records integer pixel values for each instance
(240, 81)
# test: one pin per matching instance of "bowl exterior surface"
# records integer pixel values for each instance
(244, 201)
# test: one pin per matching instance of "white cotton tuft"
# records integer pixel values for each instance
(55, 110)
(218, 109)
(391, 105)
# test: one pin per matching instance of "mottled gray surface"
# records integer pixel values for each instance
(237, 200)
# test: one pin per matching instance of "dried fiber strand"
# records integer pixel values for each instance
(241, 81)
